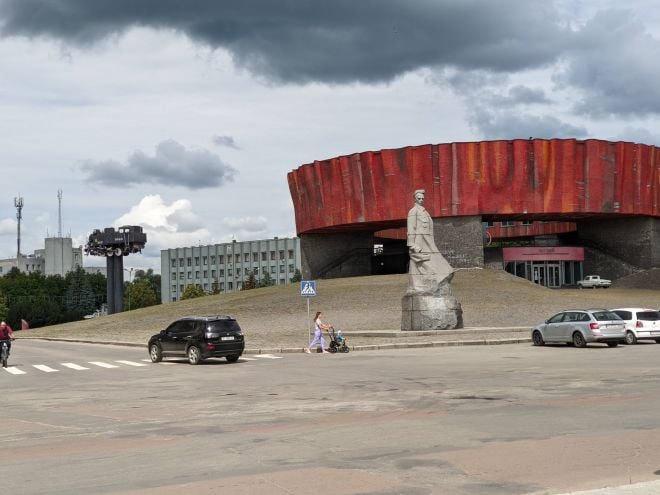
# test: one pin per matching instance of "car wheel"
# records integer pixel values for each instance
(612, 344)
(194, 355)
(630, 338)
(657, 341)
(578, 340)
(537, 338)
(233, 358)
(155, 353)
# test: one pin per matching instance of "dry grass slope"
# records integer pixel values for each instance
(277, 316)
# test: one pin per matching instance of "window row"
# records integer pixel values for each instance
(263, 255)
(230, 272)
(220, 286)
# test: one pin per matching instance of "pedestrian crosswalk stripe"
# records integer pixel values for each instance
(74, 366)
(101, 364)
(44, 368)
(130, 363)
(267, 356)
(14, 371)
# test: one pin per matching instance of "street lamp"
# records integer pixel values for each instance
(130, 281)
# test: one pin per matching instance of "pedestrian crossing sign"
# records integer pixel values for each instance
(308, 288)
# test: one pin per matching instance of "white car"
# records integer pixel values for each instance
(641, 324)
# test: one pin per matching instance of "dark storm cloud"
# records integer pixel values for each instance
(172, 165)
(339, 41)
(614, 62)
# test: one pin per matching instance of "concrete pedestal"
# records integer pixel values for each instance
(426, 311)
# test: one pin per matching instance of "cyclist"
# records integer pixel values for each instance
(6, 333)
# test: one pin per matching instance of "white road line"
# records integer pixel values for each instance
(243, 358)
(267, 356)
(146, 360)
(130, 363)
(101, 364)
(74, 366)
(14, 371)
(44, 368)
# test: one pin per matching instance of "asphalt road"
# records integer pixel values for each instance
(495, 420)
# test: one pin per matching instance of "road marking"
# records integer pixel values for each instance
(243, 358)
(101, 364)
(74, 366)
(44, 368)
(14, 371)
(268, 356)
(130, 363)
(146, 360)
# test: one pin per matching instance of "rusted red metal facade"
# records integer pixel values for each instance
(556, 179)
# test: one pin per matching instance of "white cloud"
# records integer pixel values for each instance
(166, 226)
(7, 226)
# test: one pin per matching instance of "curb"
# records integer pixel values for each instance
(292, 350)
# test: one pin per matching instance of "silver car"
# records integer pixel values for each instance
(580, 327)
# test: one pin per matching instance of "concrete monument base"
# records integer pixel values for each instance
(440, 311)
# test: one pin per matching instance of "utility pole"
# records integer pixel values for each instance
(18, 203)
(59, 213)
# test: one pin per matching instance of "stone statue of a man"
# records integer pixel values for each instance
(428, 304)
(428, 268)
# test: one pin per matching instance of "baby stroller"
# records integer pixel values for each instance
(337, 341)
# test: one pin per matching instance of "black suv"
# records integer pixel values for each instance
(198, 338)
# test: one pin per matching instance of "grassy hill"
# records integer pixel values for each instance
(277, 316)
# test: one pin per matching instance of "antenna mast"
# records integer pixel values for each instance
(18, 203)
(59, 213)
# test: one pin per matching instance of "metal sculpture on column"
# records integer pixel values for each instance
(114, 245)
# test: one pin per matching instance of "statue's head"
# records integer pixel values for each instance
(419, 196)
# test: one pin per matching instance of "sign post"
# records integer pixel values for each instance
(307, 290)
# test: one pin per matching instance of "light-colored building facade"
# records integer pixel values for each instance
(225, 267)
(58, 257)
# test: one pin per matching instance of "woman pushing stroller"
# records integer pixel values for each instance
(319, 328)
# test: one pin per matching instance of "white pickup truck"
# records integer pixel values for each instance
(593, 282)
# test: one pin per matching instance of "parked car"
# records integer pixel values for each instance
(199, 338)
(641, 324)
(593, 282)
(580, 327)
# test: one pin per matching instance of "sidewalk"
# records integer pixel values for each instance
(370, 340)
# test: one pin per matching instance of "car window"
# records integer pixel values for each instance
(182, 327)
(223, 326)
(584, 317)
(624, 315)
(605, 315)
(648, 315)
(173, 327)
(573, 316)
(557, 318)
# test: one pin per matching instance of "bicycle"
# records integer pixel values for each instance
(4, 352)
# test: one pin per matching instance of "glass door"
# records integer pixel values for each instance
(554, 275)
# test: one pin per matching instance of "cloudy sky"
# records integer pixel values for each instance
(185, 116)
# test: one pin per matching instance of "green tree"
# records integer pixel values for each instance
(38, 312)
(152, 279)
(80, 298)
(250, 283)
(99, 284)
(297, 276)
(192, 291)
(139, 294)
(4, 309)
(266, 281)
